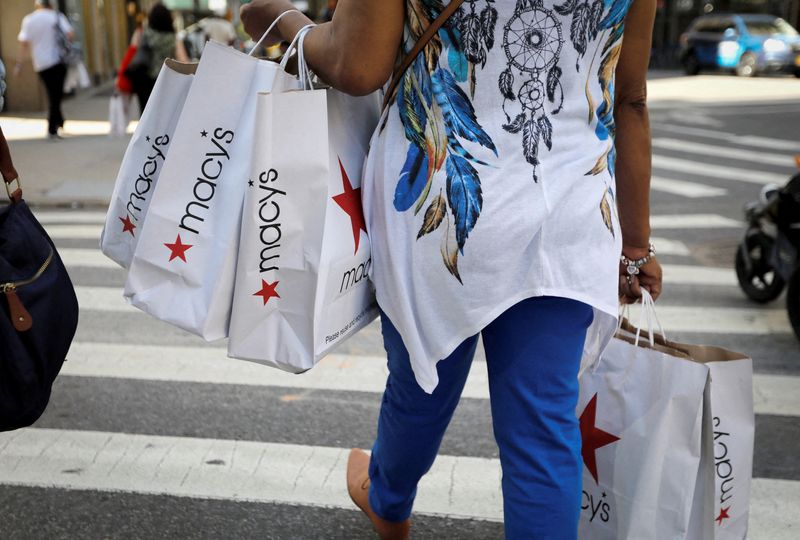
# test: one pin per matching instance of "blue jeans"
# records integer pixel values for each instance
(533, 353)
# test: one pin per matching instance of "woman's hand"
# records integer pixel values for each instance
(258, 15)
(649, 277)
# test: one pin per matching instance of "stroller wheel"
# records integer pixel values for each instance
(760, 282)
(793, 302)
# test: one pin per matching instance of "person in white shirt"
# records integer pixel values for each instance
(42, 37)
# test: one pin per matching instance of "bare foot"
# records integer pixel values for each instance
(358, 488)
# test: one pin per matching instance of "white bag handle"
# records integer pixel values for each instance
(296, 45)
(271, 27)
(648, 311)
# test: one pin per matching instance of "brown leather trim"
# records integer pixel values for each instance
(20, 317)
(423, 40)
(16, 195)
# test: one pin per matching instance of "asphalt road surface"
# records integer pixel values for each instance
(152, 433)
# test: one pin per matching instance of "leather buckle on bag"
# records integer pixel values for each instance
(12, 194)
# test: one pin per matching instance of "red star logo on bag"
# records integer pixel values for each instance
(350, 202)
(178, 249)
(592, 437)
(127, 225)
(267, 291)
(723, 515)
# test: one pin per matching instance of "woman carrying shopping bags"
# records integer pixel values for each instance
(506, 194)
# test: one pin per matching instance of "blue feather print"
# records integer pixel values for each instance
(464, 196)
(456, 59)
(458, 112)
(413, 179)
(617, 9)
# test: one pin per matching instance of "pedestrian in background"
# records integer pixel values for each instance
(500, 137)
(41, 37)
(154, 44)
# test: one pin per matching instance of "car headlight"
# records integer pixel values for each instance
(775, 46)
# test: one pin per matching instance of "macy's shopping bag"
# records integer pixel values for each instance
(144, 160)
(729, 406)
(644, 433)
(183, 267)
(301, 280)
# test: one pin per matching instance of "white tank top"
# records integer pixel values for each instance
(492, 177)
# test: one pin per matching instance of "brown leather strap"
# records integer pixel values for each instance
(423, 40)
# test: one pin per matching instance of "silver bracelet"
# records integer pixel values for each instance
(633, 265)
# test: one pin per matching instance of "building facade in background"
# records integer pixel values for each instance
(103, 29)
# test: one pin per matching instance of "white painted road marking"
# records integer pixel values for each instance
(684, 274)
(463, 487)
(86, 258)
(732, 138)
(74, 232)
(692, 190)
(697, 167)
(701, 319)
(749, 156)
(773, 394)
(459, 487)
(666, 246)
(694, 221)
(87, 217)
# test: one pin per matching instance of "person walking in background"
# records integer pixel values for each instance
(154, 44)
(42, 37)
(508, 180)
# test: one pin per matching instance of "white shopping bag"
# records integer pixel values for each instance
(301, 281)
(644, 432)
(183, 268)
(144, 160)
(730, 408)
(117, 115)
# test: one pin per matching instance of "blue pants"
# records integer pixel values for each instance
(533, 353)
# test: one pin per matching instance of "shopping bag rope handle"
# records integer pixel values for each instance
(270, 29)
(423, 40)
(302, 67)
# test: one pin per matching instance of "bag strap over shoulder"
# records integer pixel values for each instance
(423, 40)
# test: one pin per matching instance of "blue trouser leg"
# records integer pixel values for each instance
(533, 354)
(411, 424)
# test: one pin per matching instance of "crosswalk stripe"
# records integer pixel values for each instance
(220, 469)
(456, 486)
(751, 156)
(684, 274)
(769, 143)
(773, 394)
(694, 221)
(85, 258)
(666, 246)
(701, 319)
(86, 217)
(74, 232)
(692, 190)
(697, 167)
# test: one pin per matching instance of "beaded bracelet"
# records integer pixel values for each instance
(633, 265)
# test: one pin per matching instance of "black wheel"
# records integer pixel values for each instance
(760, 282)
(793, 302)
(747, 65)
(691, 66)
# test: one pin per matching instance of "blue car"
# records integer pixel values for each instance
(748, 44)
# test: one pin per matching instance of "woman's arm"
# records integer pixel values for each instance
(354, 53)
(633, 166)
(7, 170)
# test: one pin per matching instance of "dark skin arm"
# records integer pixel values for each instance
(7, 169)
(633, 166)
(354, 53)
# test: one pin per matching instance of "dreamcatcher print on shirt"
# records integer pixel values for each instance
(532, 41)
(438, 118)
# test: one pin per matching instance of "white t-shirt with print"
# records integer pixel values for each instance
(39, 29)
(491, 179)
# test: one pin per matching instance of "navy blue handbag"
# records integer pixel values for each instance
(38, 315)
